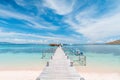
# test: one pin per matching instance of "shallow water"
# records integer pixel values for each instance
(28, 56)
(99, 57)
(24, 56)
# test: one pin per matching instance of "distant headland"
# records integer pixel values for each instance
(114, 42)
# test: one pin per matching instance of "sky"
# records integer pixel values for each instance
(59, 21)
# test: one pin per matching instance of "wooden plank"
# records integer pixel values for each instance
(59, 68)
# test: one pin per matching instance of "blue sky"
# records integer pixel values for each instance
(63, 21)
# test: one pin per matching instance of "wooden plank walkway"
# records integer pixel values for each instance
(59, 68)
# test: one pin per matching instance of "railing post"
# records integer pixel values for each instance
(82, 60)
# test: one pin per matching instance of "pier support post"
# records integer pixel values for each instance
(37, 78)
(47, 64)
(82, 78)
(67, 57)
(51, 57)
(71, 64)
(65, 54)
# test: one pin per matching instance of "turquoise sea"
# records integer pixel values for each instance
(30, 56)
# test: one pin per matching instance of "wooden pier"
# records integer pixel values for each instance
(59, 68)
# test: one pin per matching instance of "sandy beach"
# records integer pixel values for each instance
(98, 74)
(31, 75)
(19, 75)
(101, 76)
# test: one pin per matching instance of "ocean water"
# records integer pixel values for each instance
(98, 57)
(24, 56)
(30, 56)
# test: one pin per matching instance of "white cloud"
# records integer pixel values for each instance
(100, 30)
(60, 6)
(96, 30)
(103, 28)
(21, 2)
(81, 19)
(15, 37)
(30, 19)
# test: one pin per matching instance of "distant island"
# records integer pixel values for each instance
(5, 43)
(54, 44)
(114, 42)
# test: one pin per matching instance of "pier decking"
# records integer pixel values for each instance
(59, 68)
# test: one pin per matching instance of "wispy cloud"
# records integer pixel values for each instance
(103, 29)
(31, 22)
(96, 28)
(61, 7)
(65, 21)
(16, 37)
